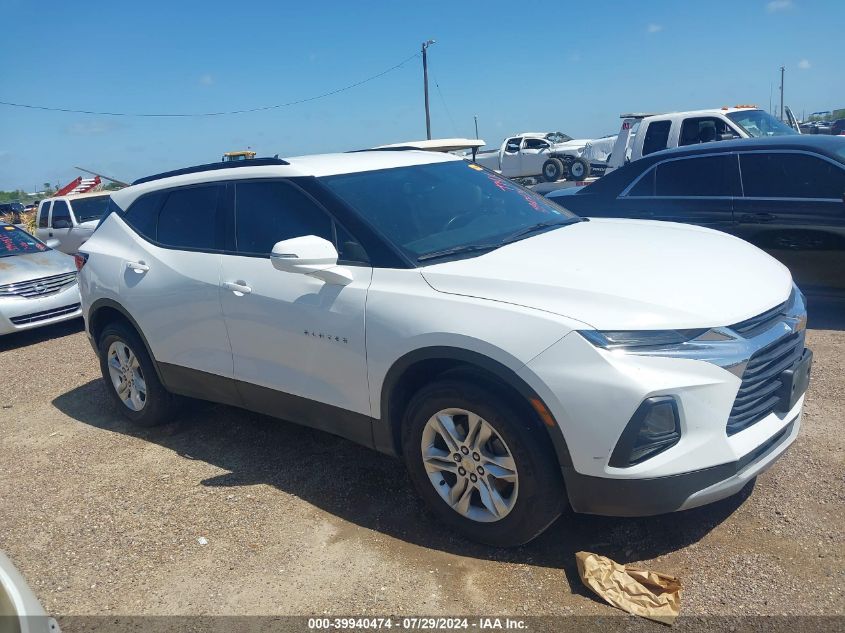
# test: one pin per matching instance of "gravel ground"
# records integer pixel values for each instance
(229, 512)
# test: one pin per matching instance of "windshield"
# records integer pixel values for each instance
(13, 241)
(429, 209)
(86, 209)
(759, 123)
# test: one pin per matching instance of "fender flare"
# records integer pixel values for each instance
(98, 305)
(500, 371)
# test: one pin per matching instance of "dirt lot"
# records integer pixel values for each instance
(103, 518)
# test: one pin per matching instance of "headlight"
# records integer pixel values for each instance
(617, 339)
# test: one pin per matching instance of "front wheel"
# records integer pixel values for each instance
(552, 170)
(482, 465)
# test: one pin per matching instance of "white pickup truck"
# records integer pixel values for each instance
(644, 134)
(551, 155)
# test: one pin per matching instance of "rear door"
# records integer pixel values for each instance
(793, 208)
(170, 284)
(511, 162)
(43, 221)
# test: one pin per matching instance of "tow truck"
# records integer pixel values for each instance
(645, 133)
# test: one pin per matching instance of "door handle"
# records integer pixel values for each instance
(138, 267)
(758, 217)
(239, 288)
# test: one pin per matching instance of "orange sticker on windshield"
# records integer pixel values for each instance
(9, 228)
(475, 167)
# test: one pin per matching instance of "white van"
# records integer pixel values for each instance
(70, 219)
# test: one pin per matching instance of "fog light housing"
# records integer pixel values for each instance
(654, 427)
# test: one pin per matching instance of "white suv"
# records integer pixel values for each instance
(514, 354)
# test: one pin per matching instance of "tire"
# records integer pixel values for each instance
(579, 169)
(154, 404)
(529, 502)
(552, 170)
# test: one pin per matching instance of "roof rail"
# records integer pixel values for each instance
(252, 162)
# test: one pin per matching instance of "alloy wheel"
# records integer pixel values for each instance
(470, 465)
(126, 376)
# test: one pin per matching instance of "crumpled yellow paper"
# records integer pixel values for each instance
(645, 593)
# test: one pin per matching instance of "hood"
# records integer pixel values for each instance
(625, 274)
(16, 268)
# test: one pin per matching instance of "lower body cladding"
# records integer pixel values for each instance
(601, 400)
(24, 313)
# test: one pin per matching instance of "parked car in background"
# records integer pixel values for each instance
(70, 219)
(37, 283)
(785, 195)
(552, 155)
(644, 134)
(427, 307)
(11, 212)
(837, 127)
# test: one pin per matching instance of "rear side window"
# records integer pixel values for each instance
(644, 186)
(143, 214)
(61, 215)
(43, 215)
(272, 211)
(707, 176)
(188, 218)
(656, 137)
(790, 175)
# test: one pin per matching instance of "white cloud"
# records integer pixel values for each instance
(804, 64)
(654, 28)
(778, 5)
(93, 128)
(206, 80)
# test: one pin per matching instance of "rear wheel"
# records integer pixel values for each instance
(131, 378)
(482, 465)
(552, 170)
(579, 169)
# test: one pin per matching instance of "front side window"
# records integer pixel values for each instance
(704, 130)
(656, 137)
(758, 123)
(707, 176)
(427, 210)
(87, 209)
(272, 211)
(44, 215)
(61, 215)
(790, 175)
(536, 143)
(188, 218)
(13, 241)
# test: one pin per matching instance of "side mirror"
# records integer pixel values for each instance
(310, 255)
(61, 224)
(54, 243)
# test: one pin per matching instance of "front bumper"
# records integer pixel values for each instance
(660, 495)
(21, 313)
(592, 394)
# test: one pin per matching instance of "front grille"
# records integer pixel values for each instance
(759, 323)
(758, 395)
(43, 287)
(44, 315)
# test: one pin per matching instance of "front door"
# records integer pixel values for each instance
(297, 341)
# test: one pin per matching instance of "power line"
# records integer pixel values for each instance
(445, 107)
(208, 114)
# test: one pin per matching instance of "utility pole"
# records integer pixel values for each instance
(475, 116)
(781, 93)
(425, 46)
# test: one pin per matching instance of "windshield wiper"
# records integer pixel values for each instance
(457, 250)
(535, 228)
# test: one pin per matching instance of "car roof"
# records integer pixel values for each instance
(824, 144)
(316, 165)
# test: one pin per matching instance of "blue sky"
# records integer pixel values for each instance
(563, 66)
